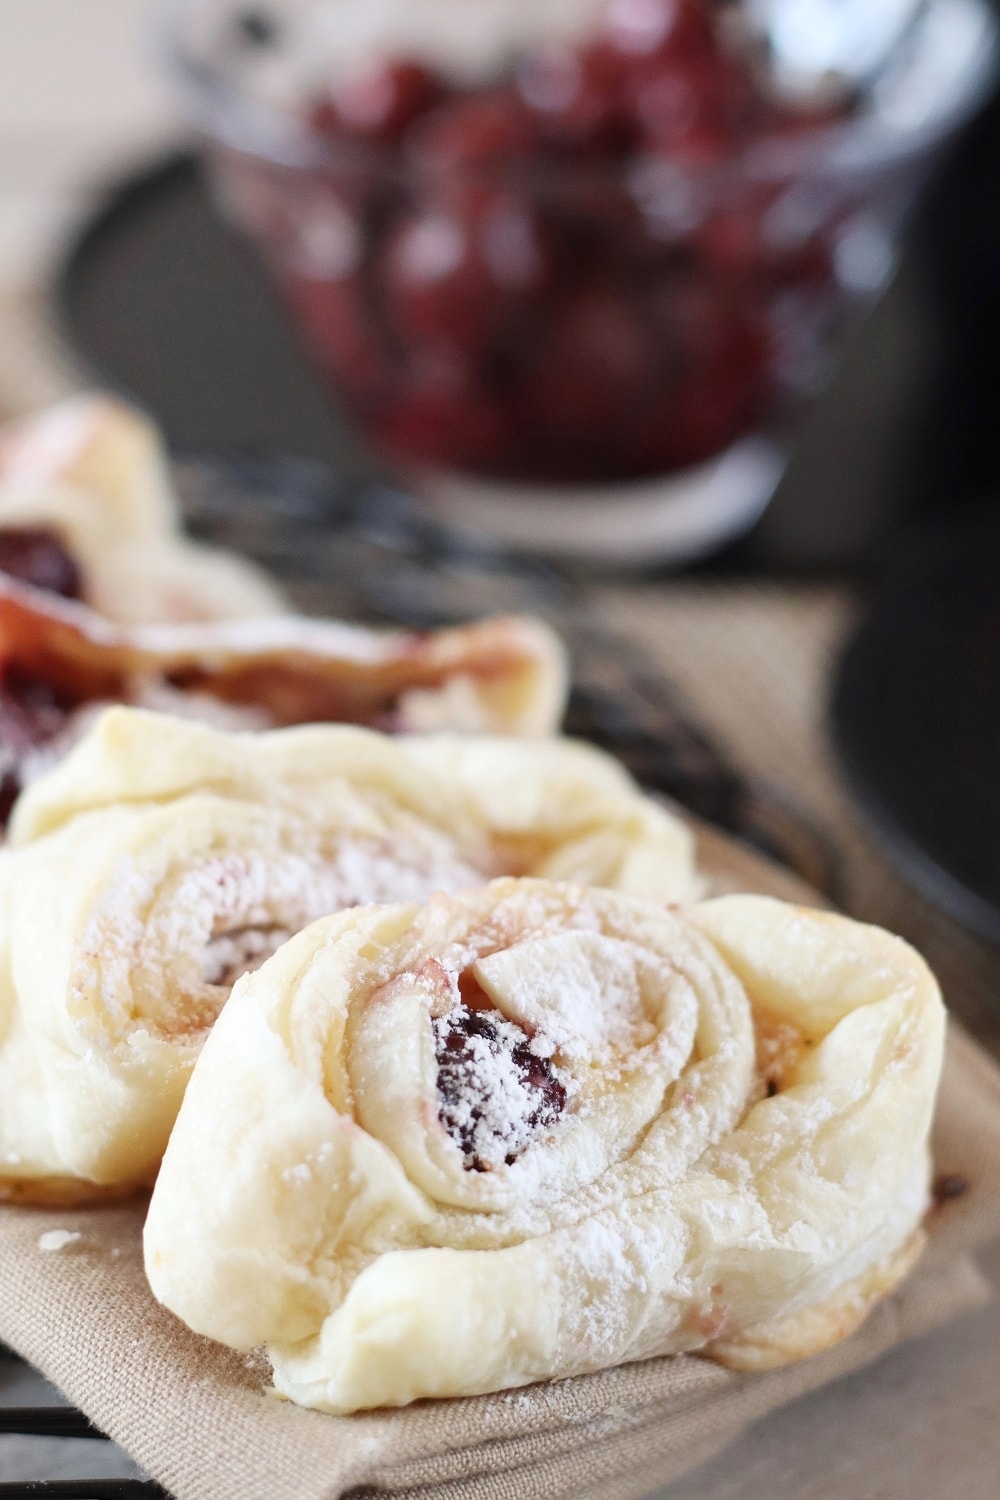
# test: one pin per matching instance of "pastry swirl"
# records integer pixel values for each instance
(525, 1132)
(91, 473)
(161, 859)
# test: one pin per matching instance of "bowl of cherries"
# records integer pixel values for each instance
(571, 264)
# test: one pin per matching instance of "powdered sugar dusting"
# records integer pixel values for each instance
(584, 988)
(230, 954)
(190, 932)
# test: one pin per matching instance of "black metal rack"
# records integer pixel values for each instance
(63, 1422)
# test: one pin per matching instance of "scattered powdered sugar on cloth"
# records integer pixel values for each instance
(58, 1239)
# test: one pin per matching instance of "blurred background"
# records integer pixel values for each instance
(624, 316)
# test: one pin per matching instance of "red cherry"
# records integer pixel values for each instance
(713, 410)
(513, 245)
(594, 364)
(767, 233)
(722, 382)
(576, 96)
(443, 416)
(712, 325)
(457, 270)
(692, 111)
(378, 103)
(734, 240)
(335, 322)
(596, 224)
(431, 280)
(649, 28)
(472, 131)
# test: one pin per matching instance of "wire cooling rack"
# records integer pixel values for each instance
(365, 551)
(49, 1421)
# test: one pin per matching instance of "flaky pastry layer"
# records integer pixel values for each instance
(93, 472)
(161, 859)
(506, 675)
(530, 1131)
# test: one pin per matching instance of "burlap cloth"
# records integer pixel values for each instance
(201, 1421)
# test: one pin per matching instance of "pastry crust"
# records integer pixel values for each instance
(93, 446)
(505, 675)
(93, 471)
(553, 808)
(327, 1189)
(162, 858)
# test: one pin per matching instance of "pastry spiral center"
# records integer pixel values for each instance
(497, 1091)
(241, 950)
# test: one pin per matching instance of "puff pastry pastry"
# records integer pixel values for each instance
(161, 859)
(532, 1130)
(58, 659)
(90, 476)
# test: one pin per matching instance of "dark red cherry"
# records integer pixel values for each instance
(513, 244)
(692, 111)
(594, 363)
(377, 103)
(766, 234)
(723, 379)
(431, 279)
(656, 28)
(442, 415)
(474, 131)
(35, 555)
(717, 407)
(734, 239)
(455, 270)
(576, 96)
(714, 326)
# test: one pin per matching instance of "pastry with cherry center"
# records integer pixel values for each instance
(529, 1131)
(60, 663)
(88, 511)
(162, 859)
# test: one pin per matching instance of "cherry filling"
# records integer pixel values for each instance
(497, 1092)
(510, 293)
(31, 714)
(35, 555)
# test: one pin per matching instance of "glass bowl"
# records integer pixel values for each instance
(583, 348)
